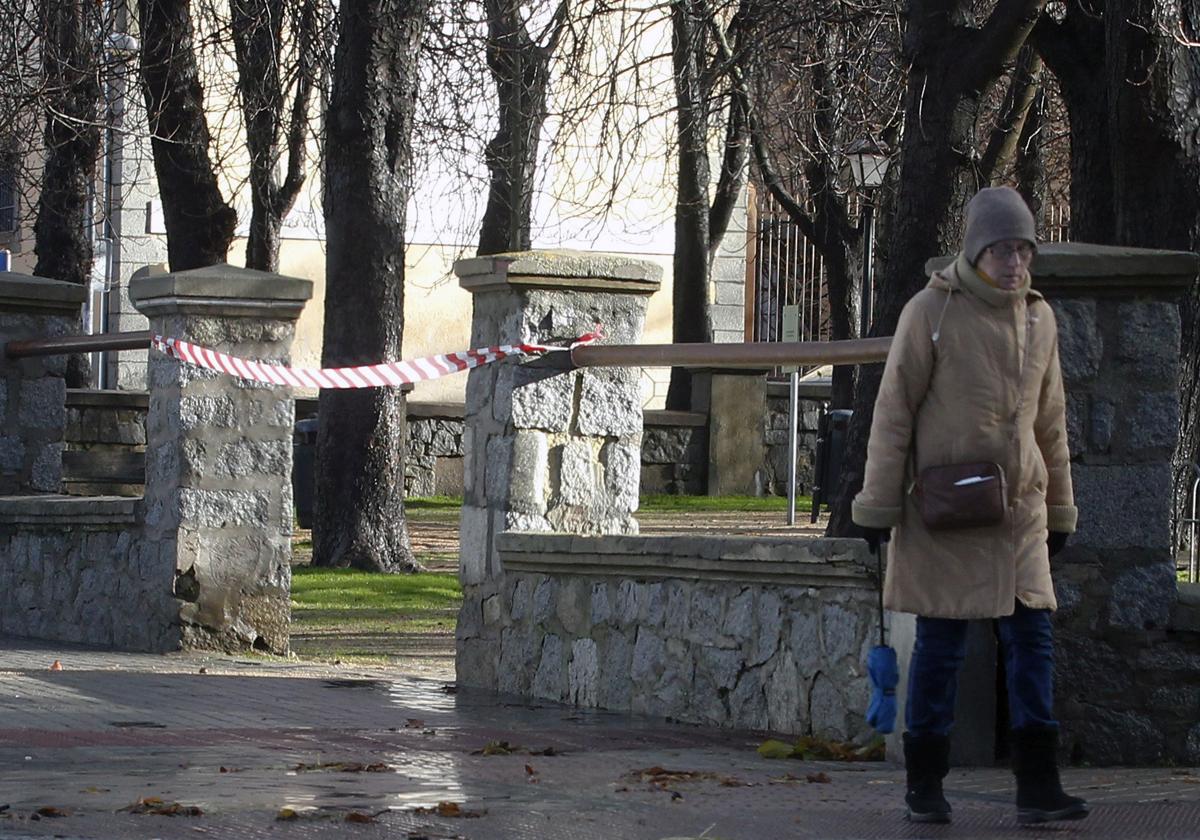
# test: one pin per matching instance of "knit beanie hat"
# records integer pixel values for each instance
(995, 214)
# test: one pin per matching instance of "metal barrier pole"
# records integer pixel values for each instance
(749, 355)
(793, 427)
(77, 344)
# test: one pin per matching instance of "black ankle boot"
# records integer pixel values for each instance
(927, 759)
(1040, 796)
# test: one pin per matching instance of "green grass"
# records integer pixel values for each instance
(720, 504)
(350, 602)
(431, 507)
(435, 506)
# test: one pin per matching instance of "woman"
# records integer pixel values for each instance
(973, 376)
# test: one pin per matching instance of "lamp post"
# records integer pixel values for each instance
(867, 162)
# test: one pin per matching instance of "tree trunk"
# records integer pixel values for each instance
(690, 265)
(1074, 52)
(1002, 147)
(63, 228)
(940, 110)
(1154, 85)
(521, 70)
(200, 225)
(1031, 176)
(272, 122)
(360, 444)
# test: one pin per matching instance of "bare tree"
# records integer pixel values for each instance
(281, 61)
(63, 229)
(520, 65)
(200, 224)
(360, 508)
(944, 90)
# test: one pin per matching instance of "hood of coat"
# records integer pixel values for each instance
(961, 276)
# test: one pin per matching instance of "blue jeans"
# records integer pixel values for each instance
(1028, 641)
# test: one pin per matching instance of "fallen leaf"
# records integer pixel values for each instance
(661, 776)
(529, 771)
(775, 749)
(359, 817)
(343, 767)
(730, 781)
(450, 810)
(497, 748)
(414, 723)
(286, 815)
(56, 665)
(817, 779)
(155, 805)
(810, 748)
(50, 811)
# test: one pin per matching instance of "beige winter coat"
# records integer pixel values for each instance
(972, 375)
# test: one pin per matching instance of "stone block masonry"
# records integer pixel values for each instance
(203, 559)
(722, 631)
(32, 390)
(562, 598)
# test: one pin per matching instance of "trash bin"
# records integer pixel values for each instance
(304, 470)
(831, 446)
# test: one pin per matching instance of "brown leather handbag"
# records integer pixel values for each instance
(958, 496)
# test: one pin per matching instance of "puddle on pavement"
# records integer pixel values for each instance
(421, 696)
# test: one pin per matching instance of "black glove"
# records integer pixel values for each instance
(1056, 541)
(876, 536)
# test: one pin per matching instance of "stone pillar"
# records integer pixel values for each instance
(218, 503)
(737, 414)
(727, 279)
(545, 449)
(32, 390)
(1123, 679)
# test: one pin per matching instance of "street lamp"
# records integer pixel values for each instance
(866, 164)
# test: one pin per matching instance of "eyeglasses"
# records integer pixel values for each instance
(1003, 252)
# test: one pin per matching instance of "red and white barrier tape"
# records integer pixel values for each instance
(365, 376)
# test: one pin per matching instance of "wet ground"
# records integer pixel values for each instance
(186, 745)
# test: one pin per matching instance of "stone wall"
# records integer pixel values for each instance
(434, 462)
(724, 631)
(32, 389)
(77, 570)
(674, 453)
(1129, 682)
(203, 560)
(813, 397)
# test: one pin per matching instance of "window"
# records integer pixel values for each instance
(8, 201)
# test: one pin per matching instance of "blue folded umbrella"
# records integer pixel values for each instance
(884, 674)
(881, 665)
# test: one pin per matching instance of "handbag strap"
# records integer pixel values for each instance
(1021, 368)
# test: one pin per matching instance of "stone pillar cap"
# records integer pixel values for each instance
(559, 269)
(27, 291)
(220, 289)
(1082, 267)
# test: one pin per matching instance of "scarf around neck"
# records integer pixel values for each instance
(972, 282)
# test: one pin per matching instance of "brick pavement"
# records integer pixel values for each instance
(248, 738)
